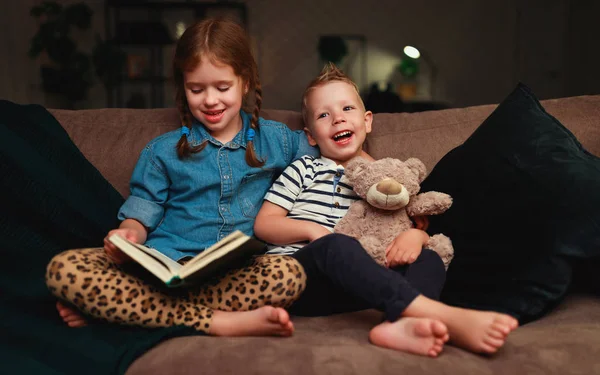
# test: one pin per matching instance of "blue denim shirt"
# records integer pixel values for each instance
(189, 204)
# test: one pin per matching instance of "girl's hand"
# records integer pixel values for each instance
(113, 252)
(405, 248)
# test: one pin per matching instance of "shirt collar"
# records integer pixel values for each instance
(240, 139)
(330, 163)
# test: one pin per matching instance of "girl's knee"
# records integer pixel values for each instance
(287, 281)
(59, 264)
(70, 263)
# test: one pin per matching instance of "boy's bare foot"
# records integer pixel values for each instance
(477, 331)
(421, 336)
(70, 315)
(265, 321)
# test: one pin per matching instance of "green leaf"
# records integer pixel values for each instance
(37, 45)
(80, 15)
(36, 11)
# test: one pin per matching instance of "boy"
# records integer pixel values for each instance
(306, 202)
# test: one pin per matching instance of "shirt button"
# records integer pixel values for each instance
(226, 177)
(222, 208)
(339, 189)
(336, 204)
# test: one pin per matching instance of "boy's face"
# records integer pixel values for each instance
(337, 121)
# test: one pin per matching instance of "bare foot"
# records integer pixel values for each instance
(477, 331)
(70, 315)
(421, 336)
(266, 321)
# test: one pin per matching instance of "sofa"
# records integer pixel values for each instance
(566, 340)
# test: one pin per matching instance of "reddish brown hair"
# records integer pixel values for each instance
(329, 73)
(222, 41)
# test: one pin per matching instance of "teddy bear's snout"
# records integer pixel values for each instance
(389, 187)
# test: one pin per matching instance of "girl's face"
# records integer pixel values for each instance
(214, 94)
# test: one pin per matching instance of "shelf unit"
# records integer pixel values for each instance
(147, 31)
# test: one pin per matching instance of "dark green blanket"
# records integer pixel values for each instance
(53, 199)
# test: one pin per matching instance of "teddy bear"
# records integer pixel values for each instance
(389, 190)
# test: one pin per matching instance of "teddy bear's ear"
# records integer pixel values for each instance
(417, 167)
(355, 167)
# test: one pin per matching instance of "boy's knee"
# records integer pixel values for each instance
(338, 240)
(431, 257)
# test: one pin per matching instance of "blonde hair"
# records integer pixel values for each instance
(226, 42)
(329, 73)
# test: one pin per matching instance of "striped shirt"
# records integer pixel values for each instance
(312, 189)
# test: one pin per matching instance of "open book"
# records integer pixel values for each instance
(224, 254)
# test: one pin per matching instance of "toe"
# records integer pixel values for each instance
(498, 331)
(485, 348)
(439, 329)
(500, 328)
(284, 317)
(506, 320)
(76, 324)
(71, 318)
(491, 341)
(272, 314)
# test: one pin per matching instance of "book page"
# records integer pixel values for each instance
(224, 257)
(153, 260)
(224, 242)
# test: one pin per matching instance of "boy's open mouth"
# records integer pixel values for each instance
(342, 136)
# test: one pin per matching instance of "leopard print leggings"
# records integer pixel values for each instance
(87, 279)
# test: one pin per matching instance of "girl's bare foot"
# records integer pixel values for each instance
(265, 321)
(70, 315)
(477, 331)
(421, 336)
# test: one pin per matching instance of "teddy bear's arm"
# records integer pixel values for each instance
(349, 224)
(430, 203)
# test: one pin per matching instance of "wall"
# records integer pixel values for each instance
(481, 48)
(582, 55)
(467, 40)
(19, 75)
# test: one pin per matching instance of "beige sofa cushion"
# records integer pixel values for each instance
(112, 138)
(430, 135)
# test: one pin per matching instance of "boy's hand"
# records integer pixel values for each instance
(406, 248)
(113, 252)
(421, 222)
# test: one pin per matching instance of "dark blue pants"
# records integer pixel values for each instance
(342, 277)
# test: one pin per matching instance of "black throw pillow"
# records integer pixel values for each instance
(526, 207)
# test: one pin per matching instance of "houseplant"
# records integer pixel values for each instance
(66, 70)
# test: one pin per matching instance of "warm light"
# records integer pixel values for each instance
(411, 51)
(179, 29)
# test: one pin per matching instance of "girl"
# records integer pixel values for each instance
(190, 188)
